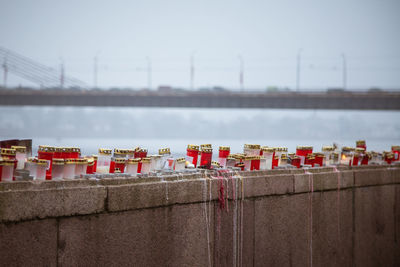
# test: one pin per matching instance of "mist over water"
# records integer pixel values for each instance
(91, 128)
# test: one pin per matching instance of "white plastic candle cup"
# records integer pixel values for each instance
(57, 172)
(104, 160)
(69, 169)
(41, 167)
(7, 171)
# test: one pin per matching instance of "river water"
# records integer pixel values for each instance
(153, 128)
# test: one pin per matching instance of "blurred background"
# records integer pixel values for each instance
(200, 46)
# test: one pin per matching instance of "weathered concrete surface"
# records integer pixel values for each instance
(374, 226)
(178, 220)
(150, 237)
(32, 243)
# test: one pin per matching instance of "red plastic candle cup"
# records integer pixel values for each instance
(192, 154)
(140, 153)
(58, 153)
(355, 159)
(255, 163)
(396, 153)
(89, 168)
(365, 159)
(310, 160)
(95, 157)
(319, 159)
(302, 152)
(295, 160)
(76, 152)
(223, 154)
(275, 161)
(117, 163)
(388, 156)
(206, 158)
(47, 153)
(361, 144)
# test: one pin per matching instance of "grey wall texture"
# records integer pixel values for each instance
(318, 217)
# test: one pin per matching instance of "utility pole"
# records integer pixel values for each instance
(5, 68)
(62, 74)
(298, 70)
(95, 71)
(192, 71)
(148, 72)
(241, 73)
(344, 69)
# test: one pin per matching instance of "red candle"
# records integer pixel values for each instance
(223, 154)
(295, 161)
(361, 144)
(255, 163)
(275, 161)
(89, 168)
(58, 152)
(192, 154)
(365, 158)
(319, 159)
(303, 152)
(206, 158)
(76, 152)
(95, 157)
(310, 160)
(388, 157)
(396, 153)
(117, 164)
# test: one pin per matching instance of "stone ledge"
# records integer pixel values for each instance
(31, 204)
(365, 177)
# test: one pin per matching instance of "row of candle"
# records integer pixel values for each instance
(67, 163)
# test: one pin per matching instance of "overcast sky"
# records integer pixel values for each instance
(268, 35)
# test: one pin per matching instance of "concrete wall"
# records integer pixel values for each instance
(325, 217)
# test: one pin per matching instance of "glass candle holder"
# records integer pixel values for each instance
(57, 172)
(132, 167)
(359, 154)
(20, 155)
(41, 169)
(247, 162)
(130, 153)
(251, 149)
(47, 153)
(335, 158)
(347, 156)
(206, 158)
(328, 152)
(268, 154)
(165, 154)
(192, 154)
(69, 169)
(145, 165)
(179, 164)
(7, 170)
(302, 152)
(104, 160)
(388, 156)
(230, 161)
(80, 167)
(223, 154)
(396, 153)
(120, 153)
(282, 151)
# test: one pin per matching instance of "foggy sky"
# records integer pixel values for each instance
(267, 34)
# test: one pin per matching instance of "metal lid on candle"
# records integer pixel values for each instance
(206, 146)
(268, 149)
(206, 150)
(19, 149)
(146, 160)
(193, 147)
(95, 157)
(395, 148)
(282, 149)
(133, 161)
(120, 151)
(57, 161)
(69, 161)
(347, 149)
(360, 143)
(119, 160)
(328, 148)
(252, 146)
(81, 161)
(76, 149)
(224, 148)
(8, 152)
(180, 160)
(164, 151)
(41, 162)
(105, 151)
(360, 149)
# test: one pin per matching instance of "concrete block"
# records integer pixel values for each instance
(267, 185)
(31, 243)
(30, 204)
(397, 226)
(169, 236)
(282, 231)
(395, 173)
(372, 177)
(136, 196)
(374, 240)
(302, 183)
(332, 228)
(187, 191)
(234, 233)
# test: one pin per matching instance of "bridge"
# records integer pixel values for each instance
(376, 100)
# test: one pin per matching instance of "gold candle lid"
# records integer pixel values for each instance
(105, 151)
(193, 147)
(57, 161)
(224, 148)
(8, 151)
(164, 151)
